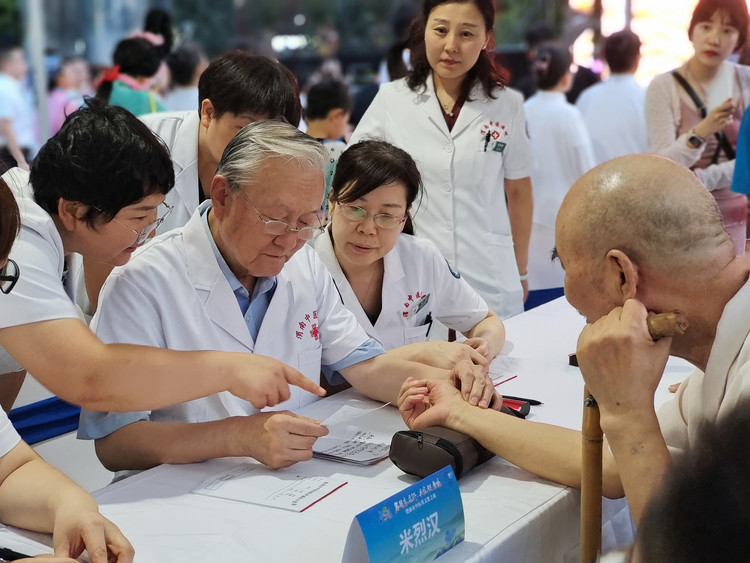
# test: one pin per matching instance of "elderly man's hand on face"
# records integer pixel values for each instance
(620, 362)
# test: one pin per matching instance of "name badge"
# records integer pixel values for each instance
(499, 146)
(416, 525)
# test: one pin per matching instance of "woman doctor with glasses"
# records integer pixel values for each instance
(395, 283)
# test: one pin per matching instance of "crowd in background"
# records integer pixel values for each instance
(487, 200)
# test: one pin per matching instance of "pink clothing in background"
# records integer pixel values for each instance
(733, 206)
(60, 104)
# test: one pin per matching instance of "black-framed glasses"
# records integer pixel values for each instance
(142, 235)
(384, 220)
(9, 275)
(279, 228)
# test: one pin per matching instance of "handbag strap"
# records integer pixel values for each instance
(700, 104)
(723, 142)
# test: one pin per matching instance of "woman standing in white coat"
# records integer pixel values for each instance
(394, 283)
(562, 145)
(689, 109)
(468, 136)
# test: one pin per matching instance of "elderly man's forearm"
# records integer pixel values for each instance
(641, 453)
(552, 452)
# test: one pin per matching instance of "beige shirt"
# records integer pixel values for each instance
(663, 119)
(708, 396)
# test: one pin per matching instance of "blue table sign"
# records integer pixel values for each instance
(418, 524)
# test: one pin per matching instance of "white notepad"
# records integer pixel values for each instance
(287, 489)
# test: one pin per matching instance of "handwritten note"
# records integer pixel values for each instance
(356, 446)
(287, 489)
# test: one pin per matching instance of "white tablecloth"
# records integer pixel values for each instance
(511, 515)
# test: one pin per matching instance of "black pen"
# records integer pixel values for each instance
(10, 555)
(487, 140)
(428, 321)
(532, 402)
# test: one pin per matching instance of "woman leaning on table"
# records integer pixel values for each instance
(467, 133)
(393, 282)
(33, 494)
(693, 113)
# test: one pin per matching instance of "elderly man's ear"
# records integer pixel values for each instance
(622, 273)
(221, 191)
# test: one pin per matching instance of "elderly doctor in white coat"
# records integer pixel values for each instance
(236, 89)
(468, 136)
(237, 278)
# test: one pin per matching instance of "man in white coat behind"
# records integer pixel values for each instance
(239, 277)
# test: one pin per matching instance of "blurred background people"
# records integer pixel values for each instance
(562, 153)
(327, 115)
(186, 64)
(136, 61)
(536, 34)
(614, 110)
(693, 114)
(17, 115)
(67, 88)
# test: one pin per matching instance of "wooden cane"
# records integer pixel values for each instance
(659, 326)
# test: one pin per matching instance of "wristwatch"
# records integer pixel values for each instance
(694, 140)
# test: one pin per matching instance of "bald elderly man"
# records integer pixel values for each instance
(636, 235)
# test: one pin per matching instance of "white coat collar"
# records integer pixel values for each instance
(214, 290)
(184, 151)
(391, 300)
(470, 112)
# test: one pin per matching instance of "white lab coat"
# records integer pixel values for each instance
(172, 294)
(563, 153)
(464, 212)
(707, 397)
(40, 294)
(179, 131)
(614, 112)
(418, 286)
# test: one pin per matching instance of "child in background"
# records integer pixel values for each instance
(328, 107)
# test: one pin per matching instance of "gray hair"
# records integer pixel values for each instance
(260, 140)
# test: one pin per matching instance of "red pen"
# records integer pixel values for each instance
(505, 380)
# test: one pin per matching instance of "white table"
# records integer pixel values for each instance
(511, 515)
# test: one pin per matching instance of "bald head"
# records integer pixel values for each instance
(651, 208)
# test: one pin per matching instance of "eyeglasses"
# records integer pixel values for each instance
(354, 213)
(142, 235)
(9, 276)
(279, 228)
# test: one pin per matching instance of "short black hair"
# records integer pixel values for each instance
(183, 62)
(621, 50)
(325, 96)
(551, 62)
(702, 511)
(103, 157)
(240, 83)
(538, 33)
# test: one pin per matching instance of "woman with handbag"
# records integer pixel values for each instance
(693, 113)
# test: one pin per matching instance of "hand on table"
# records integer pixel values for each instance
(76, 530)
(475, 385)
(620, 362)
(445, 355)
(481, 346)
(280, 439)
(264, 381)
(424, 403)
